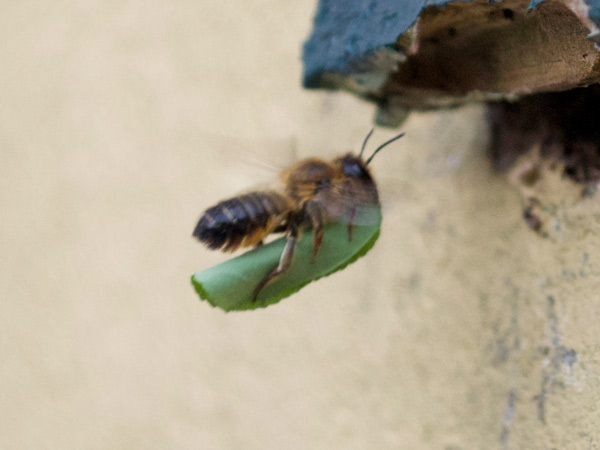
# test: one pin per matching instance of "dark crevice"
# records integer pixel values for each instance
(564, 125)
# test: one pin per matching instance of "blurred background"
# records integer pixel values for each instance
(120, 122)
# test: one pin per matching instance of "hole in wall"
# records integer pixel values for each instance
(563, 125)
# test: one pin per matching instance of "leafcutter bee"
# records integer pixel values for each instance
(314, 192)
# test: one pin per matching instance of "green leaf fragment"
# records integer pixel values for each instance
(231, 284)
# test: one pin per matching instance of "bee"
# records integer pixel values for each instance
(314, 192)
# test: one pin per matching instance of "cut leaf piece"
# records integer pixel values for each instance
(231, 284)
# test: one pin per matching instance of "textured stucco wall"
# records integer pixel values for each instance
(121, 121)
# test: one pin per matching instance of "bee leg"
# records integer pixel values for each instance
(314, 211)
(260, 243)
(284, 263)
(351, 219)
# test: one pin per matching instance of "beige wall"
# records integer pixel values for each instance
(121, 121)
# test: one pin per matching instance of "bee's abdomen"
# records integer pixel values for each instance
(241, 221)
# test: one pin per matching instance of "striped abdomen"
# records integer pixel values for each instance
(241, 221)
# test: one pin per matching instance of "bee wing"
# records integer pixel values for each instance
(266, 156)
(238, 165)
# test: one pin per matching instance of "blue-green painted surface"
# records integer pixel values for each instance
(594, 11)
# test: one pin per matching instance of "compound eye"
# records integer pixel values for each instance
(353, 169)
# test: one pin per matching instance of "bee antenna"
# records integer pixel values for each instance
(381, 146)
(365, 142)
